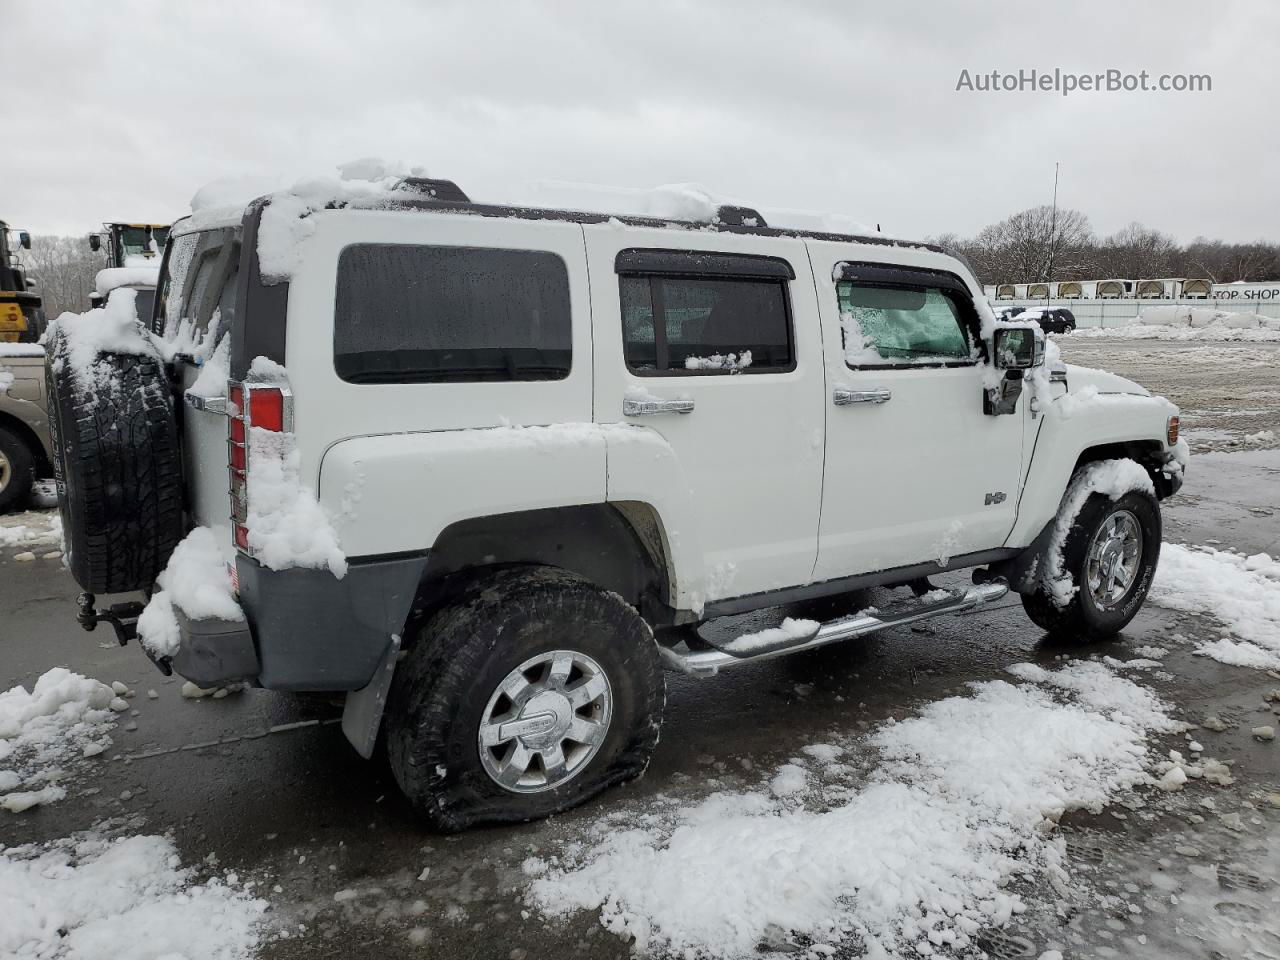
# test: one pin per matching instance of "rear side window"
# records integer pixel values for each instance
(705, 325)
(900, 325)
(420, 314)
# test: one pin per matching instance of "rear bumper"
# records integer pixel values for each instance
(304, 629)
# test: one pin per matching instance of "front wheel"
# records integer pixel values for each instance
(532, 691)
(1109, 558)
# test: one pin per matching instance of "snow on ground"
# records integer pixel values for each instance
(63, 718)
(1214, 332)
(913, 856)
(126, 899)
(1243, 593)
(32, 529)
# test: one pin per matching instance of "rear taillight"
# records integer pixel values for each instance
(249, 406)
(266, 408)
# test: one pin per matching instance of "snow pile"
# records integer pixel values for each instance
(686, 202)
(286, 223)
(287, 525)
(111, 328)
(790, 629)
(63, 717)
(127, 899)
(732, 362)
(1111, 478)
(197, 581)
(32, 529)
(1243, 593)
(915, 858)
(1192, 323)
(215, 370)
(113, 277)
(21, 350)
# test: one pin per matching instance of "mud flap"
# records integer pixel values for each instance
(362, 714)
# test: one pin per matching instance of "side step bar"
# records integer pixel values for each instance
(707, 663)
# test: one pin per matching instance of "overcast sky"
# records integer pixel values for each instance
(121, 110)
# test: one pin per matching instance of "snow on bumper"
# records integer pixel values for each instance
(303, 629)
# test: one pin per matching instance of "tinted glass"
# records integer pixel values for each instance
(200, 280)
(416, 314)
(697, 325)
(899, 325)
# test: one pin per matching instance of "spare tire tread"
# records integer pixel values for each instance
(121, 493)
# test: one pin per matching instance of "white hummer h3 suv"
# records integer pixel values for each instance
(552, 444)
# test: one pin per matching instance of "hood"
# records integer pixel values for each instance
(1080, 377)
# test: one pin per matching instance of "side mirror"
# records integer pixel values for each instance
(1018, 348)
(24, 240)
(95, 242)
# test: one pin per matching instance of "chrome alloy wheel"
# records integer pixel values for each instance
(6, 471)
(1114, 558)
(545, 721)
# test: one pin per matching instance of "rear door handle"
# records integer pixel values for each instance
(843, 396)
(649, 408)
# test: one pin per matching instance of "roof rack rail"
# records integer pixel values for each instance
(436, 189)
(732, 216)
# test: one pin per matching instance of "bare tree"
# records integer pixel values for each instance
(1035, 243)
(1030, 246)
(64, 269)
(1137, 252)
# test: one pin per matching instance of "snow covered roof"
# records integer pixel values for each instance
(112, 277)
(376, 184)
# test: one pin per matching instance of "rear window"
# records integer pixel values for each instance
(199, 283)
(427, 314)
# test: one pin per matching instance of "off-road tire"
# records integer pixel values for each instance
(118, 466)
(461, 654)
(17, 475)
(1082, 619)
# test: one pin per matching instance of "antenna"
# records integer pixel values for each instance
(1053, 228)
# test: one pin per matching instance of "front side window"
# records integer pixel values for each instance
(900, 325)
(697, 325)
(421, 314)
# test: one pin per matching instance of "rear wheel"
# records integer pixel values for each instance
(16, 463)
(531, 692)
(1110, 557)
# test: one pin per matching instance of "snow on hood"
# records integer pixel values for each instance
(132, 276)
(1078, 378)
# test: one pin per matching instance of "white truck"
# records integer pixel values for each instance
(486, 470)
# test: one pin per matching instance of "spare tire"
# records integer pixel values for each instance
(118, 464)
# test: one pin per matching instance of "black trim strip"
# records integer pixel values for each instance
(696, 263)
(828, 588)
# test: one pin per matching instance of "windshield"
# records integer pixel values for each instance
(142, 241)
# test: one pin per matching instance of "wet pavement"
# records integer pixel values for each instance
(267, 785)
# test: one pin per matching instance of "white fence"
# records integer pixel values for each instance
(1120, 313)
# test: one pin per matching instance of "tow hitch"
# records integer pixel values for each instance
(123, 618)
